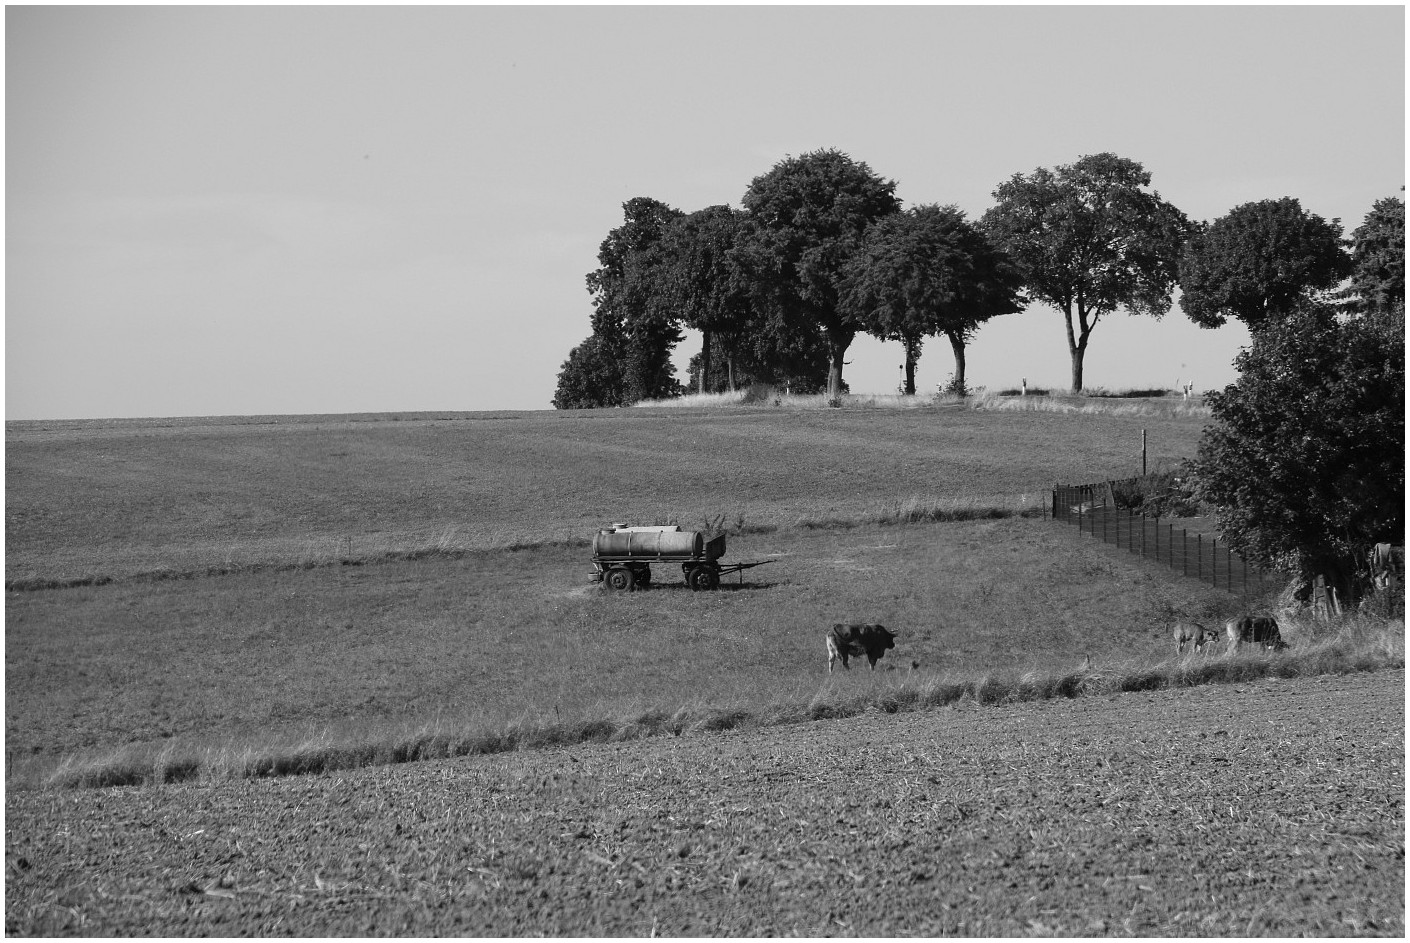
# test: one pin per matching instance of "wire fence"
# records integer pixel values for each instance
(1092, 509)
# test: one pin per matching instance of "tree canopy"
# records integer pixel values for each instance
(1259, 262)
(591, 377)
(1378, 258)
(821, 251)
(1305, 456)
(630, 314)
(810, 214)
(928, 271)
(1089, 238)
(702, 277)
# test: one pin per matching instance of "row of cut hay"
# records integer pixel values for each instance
(1350, 645)
(453, 543)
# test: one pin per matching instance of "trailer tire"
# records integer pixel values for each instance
(620, 578)
(703, 578)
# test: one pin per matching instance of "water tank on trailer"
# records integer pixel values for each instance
(648, 542)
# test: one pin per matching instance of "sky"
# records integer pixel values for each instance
(283, 210)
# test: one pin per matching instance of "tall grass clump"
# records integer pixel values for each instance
(1079, 404)
(763, 394)
(925, 509)
(686, 400)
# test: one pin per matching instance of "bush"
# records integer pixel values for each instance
(1162, 494)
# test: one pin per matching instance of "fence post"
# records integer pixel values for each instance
(1199, 557)
(1184, 552)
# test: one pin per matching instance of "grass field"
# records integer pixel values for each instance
(92, 500)
(310, 639)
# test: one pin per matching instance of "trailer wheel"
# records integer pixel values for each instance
(643, 576)
(620, 578)
(703, 578)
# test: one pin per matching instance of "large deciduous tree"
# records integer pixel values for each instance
(1090, 238)
(1378, 258)
(1305, 457)
(924, 272)
(630, 313)
(810, 214)
(1259, 262)
(702, 277)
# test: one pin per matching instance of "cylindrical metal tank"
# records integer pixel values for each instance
(650, 542)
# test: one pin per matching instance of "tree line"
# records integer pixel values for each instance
(821, 251)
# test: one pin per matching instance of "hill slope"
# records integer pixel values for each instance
(114, 498)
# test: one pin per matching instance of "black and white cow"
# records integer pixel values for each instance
(846, 640)
(1254, 630)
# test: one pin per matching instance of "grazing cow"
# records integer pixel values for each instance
(1194, 635)
(846, 640)
(1254, 630)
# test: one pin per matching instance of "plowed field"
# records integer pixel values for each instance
(1273, 808)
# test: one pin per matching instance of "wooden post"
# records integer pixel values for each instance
(1143, 453)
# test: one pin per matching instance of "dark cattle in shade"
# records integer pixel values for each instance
(1193, 635)
(844, 641)
(1254, 630)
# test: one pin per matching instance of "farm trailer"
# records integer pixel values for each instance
(622, 556)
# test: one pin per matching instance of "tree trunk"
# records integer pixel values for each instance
(1343, 589)
(957, 345)
(837, 342)
(1077, 341)
(705, 363)
(912, 345)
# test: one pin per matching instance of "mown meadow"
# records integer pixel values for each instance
(242, 597)
(110, 499)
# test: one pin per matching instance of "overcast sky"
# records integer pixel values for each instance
(252, 210)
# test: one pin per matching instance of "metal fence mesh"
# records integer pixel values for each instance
(1091, 508)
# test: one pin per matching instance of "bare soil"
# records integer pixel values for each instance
(1274, 808)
